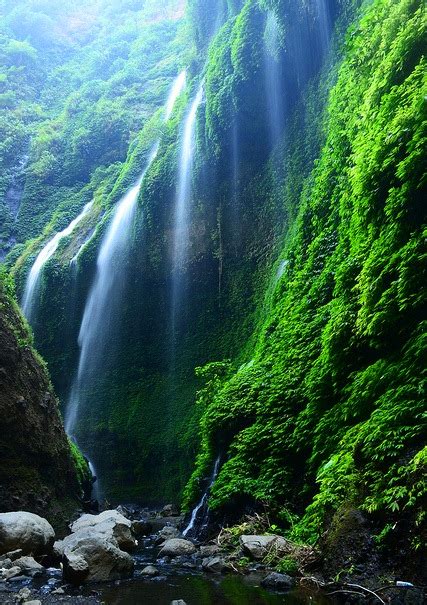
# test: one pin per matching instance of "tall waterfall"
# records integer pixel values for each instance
(32, 284)
(183, 196)
(273, 78)
(102, 306)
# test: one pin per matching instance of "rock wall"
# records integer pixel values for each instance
(37, 471)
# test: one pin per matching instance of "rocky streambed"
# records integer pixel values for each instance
(129, 557)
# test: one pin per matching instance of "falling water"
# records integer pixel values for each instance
(33, 279)
(106, 293)
(273, 78)
(201, 509)
(177, 88)
(183, 198)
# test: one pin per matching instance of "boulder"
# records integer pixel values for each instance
(110, 524)
(167, 533)
(277, 581)
(215, 564)
(176, 547)
(29, 566)
(209, 550)
(141, 527)
(90, 556)
(26, 531)
(12, 572)
(169, 511)
(150, 570)
(158, 523)
(258, 547)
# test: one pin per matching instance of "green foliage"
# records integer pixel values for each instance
(80, 464)
(331, 408)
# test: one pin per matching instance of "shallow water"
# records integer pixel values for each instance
(199, 589)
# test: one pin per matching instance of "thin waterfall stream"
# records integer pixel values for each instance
(29, 299)
(183, 200)
(201, 511)
(98, 320)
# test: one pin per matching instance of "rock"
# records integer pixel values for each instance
(141, 527)
(176, 547)
(209, 550)
(26, 531)
(110, 524)
(259, 546)
(58, 591)
(14, 554)
(29, 566)
(167, 533)
(150, 570)
(24, 594)
(178, 602)
(58, 548)
(12, 572)
(122, 510)
(94, 557)
(277, 581)
(158, 523)
(215, 564)
(35, 602)
(169, 511)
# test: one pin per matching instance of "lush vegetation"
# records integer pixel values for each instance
(330, 409)
(303, 297)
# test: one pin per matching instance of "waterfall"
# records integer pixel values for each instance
(201, 509)
(273, 78)
(176, 90)
(183, 197)
(102, 305)
(33, 279)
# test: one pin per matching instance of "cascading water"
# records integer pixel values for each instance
(28, 303)
(102, 305)
(273, 78)
(183, 197)
(199, 516)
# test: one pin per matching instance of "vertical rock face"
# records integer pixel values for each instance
(37, 472)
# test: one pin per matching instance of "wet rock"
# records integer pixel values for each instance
(23, 595)
(58, 591)
(277, 581)
(25, 531)
(215, 564)
(29, 566)
(58, 548)
(258, 547)
(141, 527)
(94, 558)
(110, 524)
(12, 572)
(6, 563)
(167, 533)
(209, 550)
(169, 511)
(122, 510)
(14, 554)
(158, 523)
(176, 547)
(150, 570)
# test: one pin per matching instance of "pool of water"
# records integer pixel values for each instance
(200, 589)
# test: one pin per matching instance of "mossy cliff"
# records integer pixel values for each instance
(39, 471)
(328, 410)
(302, 296)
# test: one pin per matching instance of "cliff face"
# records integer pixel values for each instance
(37, 471)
